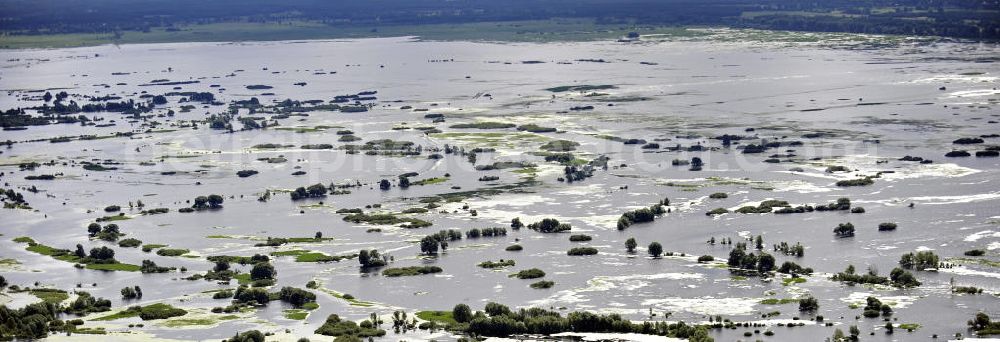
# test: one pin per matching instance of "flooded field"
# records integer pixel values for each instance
(700, 144)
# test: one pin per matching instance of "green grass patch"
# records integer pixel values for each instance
(296, 314)
(242, 278)
(118, 315)
(114, 267)
(90, 331)
(792, 280)
(778, 301)
(183, 322)
(430, 181)
(302, 255)
(23, 239)
(114, 218)
(909, 326)
(350, 300)
(437, 316)
(65, 255)
(53, 296)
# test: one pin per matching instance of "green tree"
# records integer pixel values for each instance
(655, 249)
(461, 313)
(630, 245)
(263, 270)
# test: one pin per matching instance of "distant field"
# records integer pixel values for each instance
(518, 31)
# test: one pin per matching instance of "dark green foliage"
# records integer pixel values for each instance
(655, 249)
(531, 273)
(582, 251)
(159, 311)
(717, 211)
(29, 322)
(844, 230)
(630, 245)
(313, 191)
(542, 284)
(410, 271)
(533, 128)
(497, 264)
(251, 295)
(920, 261)
(898, 278)
(549, 225)
(129, 243)
(975, 252)
(247, 336)
(496, 309)
(856, 182)
(149, 266)
(131, 292)
(540, 321)
(85, 304)
(874, 308)
(461, 313)
(246, 173)
(263, 270)
(885, 226)
(296, 296)
(212, 201)
(809, 304)
(706, 258)
(792, 268)
(370, 259)
(224, 294)
(485, 125)
(334, 326)
(514, 248)
(580, 238)
(640, 216)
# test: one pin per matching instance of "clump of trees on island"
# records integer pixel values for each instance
(642, 215)
(549, 225)
(498, 320)
(898, 277)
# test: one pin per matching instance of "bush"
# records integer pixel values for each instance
(160, 311)
(718, 195)
(130, 242)
(580, 238)
(706, 258)
(514, 248)
(856, 182)
(531, 273)
(975, 252)
(582, 251)
(886, 226)
(549, 225)
(717, 211)
(497, 264)
(411, 271)
(809, 304)
(844, 230)
(542, 284)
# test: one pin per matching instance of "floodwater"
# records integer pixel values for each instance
(875, 103)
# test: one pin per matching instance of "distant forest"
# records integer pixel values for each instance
(977, 19)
